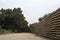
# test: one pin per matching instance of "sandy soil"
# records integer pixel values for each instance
(21, 36)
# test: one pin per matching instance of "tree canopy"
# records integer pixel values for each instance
(41, 18)
(13, 20)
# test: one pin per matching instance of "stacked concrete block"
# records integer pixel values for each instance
(49, 27)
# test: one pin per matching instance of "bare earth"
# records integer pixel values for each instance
(21, 36)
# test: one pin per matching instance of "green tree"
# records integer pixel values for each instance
(41, 18)
(13, 20)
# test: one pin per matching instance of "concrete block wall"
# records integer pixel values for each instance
(49, 27)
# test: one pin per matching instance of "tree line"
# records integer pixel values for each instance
(13, 20)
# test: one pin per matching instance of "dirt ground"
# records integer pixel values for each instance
(21, 36)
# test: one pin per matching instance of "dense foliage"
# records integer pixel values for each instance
(13, 20)
(41, 18)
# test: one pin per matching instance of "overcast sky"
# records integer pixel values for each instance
(32, 9)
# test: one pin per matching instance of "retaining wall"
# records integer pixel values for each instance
(49, 27)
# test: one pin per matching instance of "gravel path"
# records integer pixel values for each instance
(21, 36)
